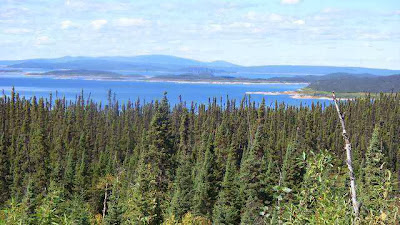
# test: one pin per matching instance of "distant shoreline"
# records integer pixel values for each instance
(152, 79)
(219, 82)
(298, 95)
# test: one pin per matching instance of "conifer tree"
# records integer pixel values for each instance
(38, 156)
(69, 172)
(78, 211)
(51, 210)
(143, 207)
(56, 159)
(115, 210)
(227, 208)
(183, 184)
(292, 168)
(252, 175)
(80, 179)
(28, 204)
(4, 170)
(374, 171)
(204, 185)
(154, 171)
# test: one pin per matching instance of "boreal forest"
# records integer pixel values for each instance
(225, 162)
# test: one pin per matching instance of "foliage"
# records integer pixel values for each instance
(64, 162)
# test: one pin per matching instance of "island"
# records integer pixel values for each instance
(10, 71)
(195, 77)
(208, 77)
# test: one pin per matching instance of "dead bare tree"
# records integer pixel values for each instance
(356, 204)
(105, 201)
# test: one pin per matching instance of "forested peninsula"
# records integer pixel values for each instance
(346, 85)
(80, 162)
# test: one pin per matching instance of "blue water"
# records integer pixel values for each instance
(146, 91)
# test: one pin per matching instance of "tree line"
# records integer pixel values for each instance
(82, 162)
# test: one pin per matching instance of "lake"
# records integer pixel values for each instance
(146, 91)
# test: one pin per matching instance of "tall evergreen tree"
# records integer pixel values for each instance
(155, 168)
(51, 209)
(38, 156)
(183, 184)
(115, 209)
(80, 179)
(374, 171)
(227, 207)
(292, 168)
(4, 170)
(252, 179)
(204, 185)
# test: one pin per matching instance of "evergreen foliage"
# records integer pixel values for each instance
(64, 162)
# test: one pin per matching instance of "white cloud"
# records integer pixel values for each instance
(214, 27)
(98, 24)
(240, 25)
(299, 22)
(43, 40)
(129, 22)
(96, 6)
(275, 17)
(17, 31)
(373, 36)
(184, 49)
(290, 2)
(251, 15)
(330, 10)
(66, 24)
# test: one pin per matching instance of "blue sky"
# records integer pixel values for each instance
(247, 32)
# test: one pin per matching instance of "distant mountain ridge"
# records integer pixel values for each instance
(173, 63)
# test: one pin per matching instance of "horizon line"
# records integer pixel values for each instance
(201, 61)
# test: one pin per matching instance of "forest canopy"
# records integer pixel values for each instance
(81, 162)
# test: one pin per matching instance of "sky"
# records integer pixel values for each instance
(363, 33)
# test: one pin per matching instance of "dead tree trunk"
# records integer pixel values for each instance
(356, 204)
(105, 201)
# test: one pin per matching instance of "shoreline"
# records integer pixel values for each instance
(219, 82)
(298, 95)
(127, 78)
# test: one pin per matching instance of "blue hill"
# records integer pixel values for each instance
(173, 63)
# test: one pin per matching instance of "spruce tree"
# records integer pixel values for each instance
(374, 171)
(292, 168)
(69, 171)
(4, 170)
(28, 204)
(183, 184)
(227, 208)
(155, 167)
(38, 156)
(78, 211)
(115, 209)
(253, 171)
(204, 184)
(51, 209)
(144, 205)
(80, 179)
